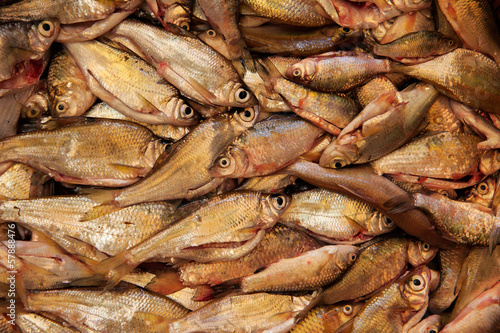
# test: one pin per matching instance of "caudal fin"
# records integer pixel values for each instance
(115, 268)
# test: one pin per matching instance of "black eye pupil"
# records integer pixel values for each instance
(242, 94)
(188, 111)
(346, 30)
(46, 27)
(60, 107)
(247, 114)
(483, 187)
(223, 162)
(338, 165)
(416, 282)
(279, 200)
(432, 331)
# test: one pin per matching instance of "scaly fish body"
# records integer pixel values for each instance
(130, 85)
(79, 153)
(381, 127)
(442, 155)
(373, 89)
(281, 242)
(331, 112)
(308, 271)
(334, 217)
(337, 71)
(266, 147)
(421, 20)
(247, 313)
(475, 23)
(59, 218)
(386, 261)
(295, 12)
(464, 75)
(169, 132)
(197, 70)
(69, 94)
(35, 323)
(23, 182)
(119, 310)
(325, 319)
(431, 324)
(184, 173)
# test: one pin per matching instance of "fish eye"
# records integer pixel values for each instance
(346, 29)
(426, 247)
(211, 33)
(353, 257)
(297, 72)
(482, 188)
(347, 309)
(432, 331)
(46, 28)
(279, 202)
(62, 107)
(247, 114)
(416, 283)
(387, 222)
(451, 42)
(185, 25)
(338, 163)
(33, 113)
(242, 96)
(187, 112)
(224, 162)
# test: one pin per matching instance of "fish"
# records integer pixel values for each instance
(245, 156)
(22, 182)
(381, 127)
(463, 75)
(350, 69)
(280, 242)
(185, 298)
(308, 271)
(271, 183)
(197, 70)
(246, 313)
(431, 324)
(391, 308)
(183, 173)
(69, 95)
(130, 85)
(386, 259)
(422, 20)
(324, 319)
(373, 89)
(335, 218)
(75, 151)
(475, 24)
(122, 309)
(36, 323)
(416, 47)
(224, 227)
(483, 193)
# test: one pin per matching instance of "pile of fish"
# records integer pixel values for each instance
(249, 166)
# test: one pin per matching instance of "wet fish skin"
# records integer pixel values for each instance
(431, 324)
(122, 309)
(246, 156)
(463, 75)
(34, 323)
(373, 89)
(348, 68)
(130, 85)
(69, 94)
(334, 217)
(308, 271)
(281, 242)
(388, 258)
(70, 153)
(475, 23)
(244, 312)
(196, 69)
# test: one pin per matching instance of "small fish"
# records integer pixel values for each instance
(373, 89)
(22, 182)
(431, 324)
(325, 319)
(69, 94)
(76, 151)
(35, 323)
(335, 218)
(308, 271)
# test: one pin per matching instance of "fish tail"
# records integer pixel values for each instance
(115, 268)
(396, 67)
(106, 200)
(399, 204)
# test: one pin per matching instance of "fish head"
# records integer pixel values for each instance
(446, 45)
(490, 162)
(420, 253)
(411, 5)
(68, 102)
(339, 315)
(302, 72)
(42, 34)
(379, 224)
(417, 286)
(338, 156)
(345, 255)
(215, 41)
(232, 163)
(244, 119)
(273, 206)
(483, 193)
(183, 113)
(237, 95)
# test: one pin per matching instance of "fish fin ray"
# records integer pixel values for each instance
(115, 268)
